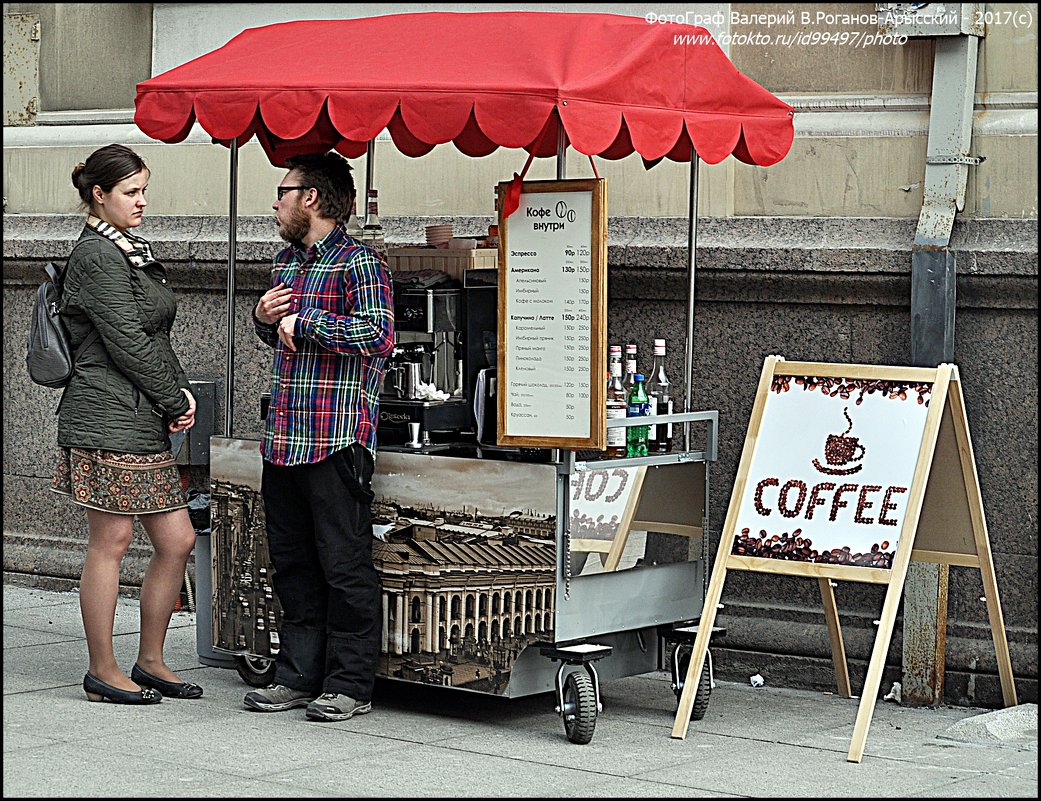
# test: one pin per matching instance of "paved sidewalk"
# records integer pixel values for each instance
(431, 742)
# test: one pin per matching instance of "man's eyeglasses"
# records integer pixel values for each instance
(281, 191)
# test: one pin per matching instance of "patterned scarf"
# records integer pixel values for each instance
(137, 250)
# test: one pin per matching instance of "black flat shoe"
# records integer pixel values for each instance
(97, 690)
(169, 689)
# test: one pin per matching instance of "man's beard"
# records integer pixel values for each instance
(295, 228)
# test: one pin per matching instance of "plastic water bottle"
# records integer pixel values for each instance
(639, 406)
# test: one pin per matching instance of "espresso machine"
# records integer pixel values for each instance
(480, 367)
(423, 400)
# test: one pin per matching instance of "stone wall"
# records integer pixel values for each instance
(833, 290)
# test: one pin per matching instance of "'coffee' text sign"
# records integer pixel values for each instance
(831, 471)
(840, 461)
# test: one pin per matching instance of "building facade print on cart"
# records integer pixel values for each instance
(833, 463)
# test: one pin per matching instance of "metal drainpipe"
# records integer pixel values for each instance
(933, 278)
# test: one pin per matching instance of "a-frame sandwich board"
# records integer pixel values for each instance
(920, 451)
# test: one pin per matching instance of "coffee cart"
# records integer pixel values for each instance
(506, 569)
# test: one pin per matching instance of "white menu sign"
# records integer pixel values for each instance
(551, 309)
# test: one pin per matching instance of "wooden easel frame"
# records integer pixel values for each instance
(944, 501)
(650, 506)
(613, 548)
(625, 525)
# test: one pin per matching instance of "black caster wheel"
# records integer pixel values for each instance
(579, 711)
(701, 695)
(256, 671)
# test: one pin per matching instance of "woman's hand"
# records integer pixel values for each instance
(186, 420)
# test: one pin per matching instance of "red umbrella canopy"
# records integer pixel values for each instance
(617, 84)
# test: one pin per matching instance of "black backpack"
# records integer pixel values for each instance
(49, 355)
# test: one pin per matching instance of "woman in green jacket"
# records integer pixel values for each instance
(128, 393)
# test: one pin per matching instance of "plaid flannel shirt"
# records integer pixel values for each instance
(325, 396)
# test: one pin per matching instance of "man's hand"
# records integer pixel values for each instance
(274, 304)
(286, 327)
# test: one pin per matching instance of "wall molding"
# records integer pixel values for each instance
(996, 114)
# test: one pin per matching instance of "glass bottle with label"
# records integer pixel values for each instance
(493, 230)
(630, 367)
(638, 406)
(617, 403)
(373, 230)
(660, 435)
(354, 228)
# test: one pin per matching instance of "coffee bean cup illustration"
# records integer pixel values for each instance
(842, 452)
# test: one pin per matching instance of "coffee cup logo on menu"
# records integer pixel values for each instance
(831, 470)
(546, 219)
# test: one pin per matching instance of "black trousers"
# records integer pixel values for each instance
(319, 529)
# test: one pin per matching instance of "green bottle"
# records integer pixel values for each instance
(636, 437)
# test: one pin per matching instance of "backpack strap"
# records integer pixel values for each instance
(87, 341)
(57, 277)
(54, 275)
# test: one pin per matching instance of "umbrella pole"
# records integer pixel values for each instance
(692, 241)
(561, 152)
(370, 174)
(554, 454)
(229, 351)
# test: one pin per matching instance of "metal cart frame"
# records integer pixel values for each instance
(621, 616)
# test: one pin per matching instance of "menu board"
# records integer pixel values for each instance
(552, 316)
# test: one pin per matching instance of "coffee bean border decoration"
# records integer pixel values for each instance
(794, 547)
(845, 387)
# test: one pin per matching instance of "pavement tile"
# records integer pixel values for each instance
(264, 745)
(69, 770)
(20, 636)
(991, 785)
(424, 771)
(424, 741)
(16, 597)
(615, 787)
(762, 769)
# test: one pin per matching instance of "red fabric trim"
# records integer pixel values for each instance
(479, 80)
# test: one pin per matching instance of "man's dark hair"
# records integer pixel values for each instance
(330, 174)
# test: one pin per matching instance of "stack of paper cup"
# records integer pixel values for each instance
(439, 235)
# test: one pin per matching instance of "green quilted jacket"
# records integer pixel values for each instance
(126, 385)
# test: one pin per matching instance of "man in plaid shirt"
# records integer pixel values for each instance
(329, 316)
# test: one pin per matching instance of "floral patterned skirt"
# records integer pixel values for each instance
(120, 483)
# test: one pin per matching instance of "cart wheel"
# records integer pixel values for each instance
(703, 692)
(579, 707)
(256, 671)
